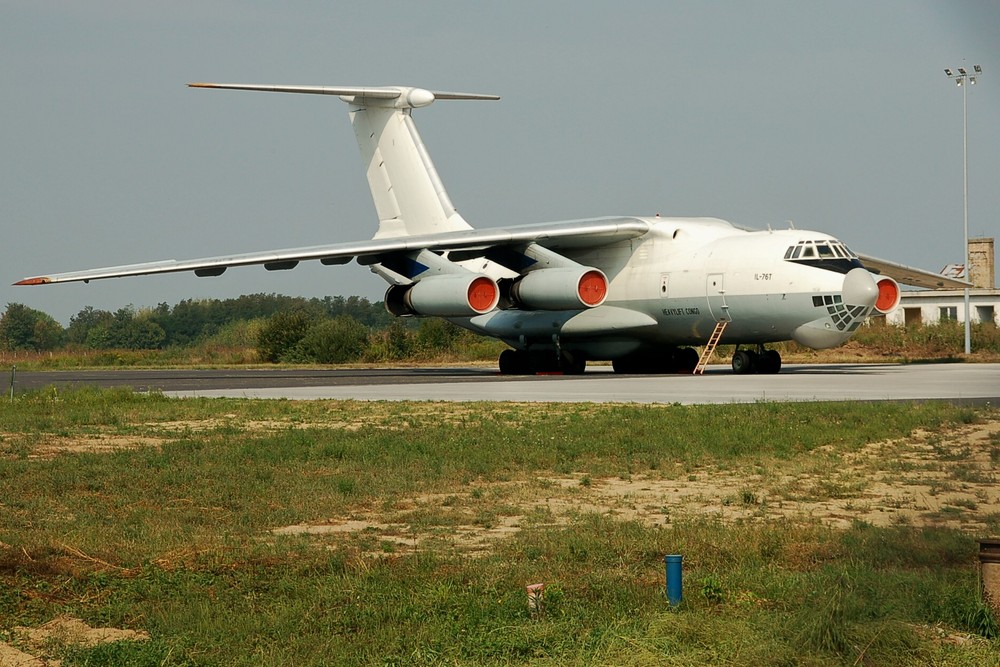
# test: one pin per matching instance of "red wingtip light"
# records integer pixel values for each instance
(34, 281)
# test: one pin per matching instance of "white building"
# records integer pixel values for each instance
(932, 306)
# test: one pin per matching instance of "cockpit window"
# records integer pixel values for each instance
(826, 249)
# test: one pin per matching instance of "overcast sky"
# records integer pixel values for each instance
(835, 115)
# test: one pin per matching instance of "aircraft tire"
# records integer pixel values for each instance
(770, 362)
(742, 362)
(514, 362)
(573, 364)
(687, 359)
(626, 365)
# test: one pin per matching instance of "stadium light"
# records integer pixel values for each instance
(960, 81)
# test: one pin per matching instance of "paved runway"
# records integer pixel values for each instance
(967, 383)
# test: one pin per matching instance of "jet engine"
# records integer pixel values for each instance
(453, 295)
(888, 294)
(568, 288)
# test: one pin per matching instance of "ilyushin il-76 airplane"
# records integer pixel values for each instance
(638, 291)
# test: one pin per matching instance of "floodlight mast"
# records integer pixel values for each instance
(960, 79)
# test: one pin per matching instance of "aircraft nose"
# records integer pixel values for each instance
(860, 288)
(858, 296)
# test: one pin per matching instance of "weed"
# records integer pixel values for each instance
(150, 652)
(979, 618)
(711, 590)
(967, 503)
(972, 474)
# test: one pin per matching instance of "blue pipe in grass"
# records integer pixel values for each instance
(674, 586)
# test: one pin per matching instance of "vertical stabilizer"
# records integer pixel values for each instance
(408, 194)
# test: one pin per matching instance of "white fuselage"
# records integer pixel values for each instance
(672, 285)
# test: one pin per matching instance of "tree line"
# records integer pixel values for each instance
(280, 328)
(330, 330)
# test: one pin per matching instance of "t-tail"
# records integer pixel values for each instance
(409, 196)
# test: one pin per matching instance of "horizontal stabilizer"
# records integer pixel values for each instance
(405, 96)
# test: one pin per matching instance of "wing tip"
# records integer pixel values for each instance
(41, 280)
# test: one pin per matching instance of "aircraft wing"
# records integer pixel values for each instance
(573, 234)
(907, 275)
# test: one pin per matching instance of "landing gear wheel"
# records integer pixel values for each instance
(626, 365)
(770, 362)
(645, 363)
(515, 362)
(687, 359)
(742, 362)
(620, 366)
(573, 364)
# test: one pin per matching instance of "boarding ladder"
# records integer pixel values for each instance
(713, 341)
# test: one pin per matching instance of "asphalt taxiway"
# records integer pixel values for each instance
(965, 383)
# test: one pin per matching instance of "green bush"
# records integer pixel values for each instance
(335, 341)
(279, 338)
(393, 343)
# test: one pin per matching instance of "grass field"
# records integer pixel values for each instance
(329, 532)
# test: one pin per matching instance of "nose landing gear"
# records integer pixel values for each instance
(760, 360)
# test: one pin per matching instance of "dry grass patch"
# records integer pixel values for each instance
(925, 480)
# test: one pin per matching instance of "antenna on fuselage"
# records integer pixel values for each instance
(791, 224)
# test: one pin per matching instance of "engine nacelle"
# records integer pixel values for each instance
(888, 294)
(571, 288)
(454, 295)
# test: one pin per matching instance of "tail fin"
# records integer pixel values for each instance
(409, 196)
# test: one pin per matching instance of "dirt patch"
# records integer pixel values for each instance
(53, 446)
(44, 446)
(12, 657)
(41, 643)
(927, 479)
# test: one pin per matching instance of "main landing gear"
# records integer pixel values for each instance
(522, 362)
(671, 360)
(759, 361)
